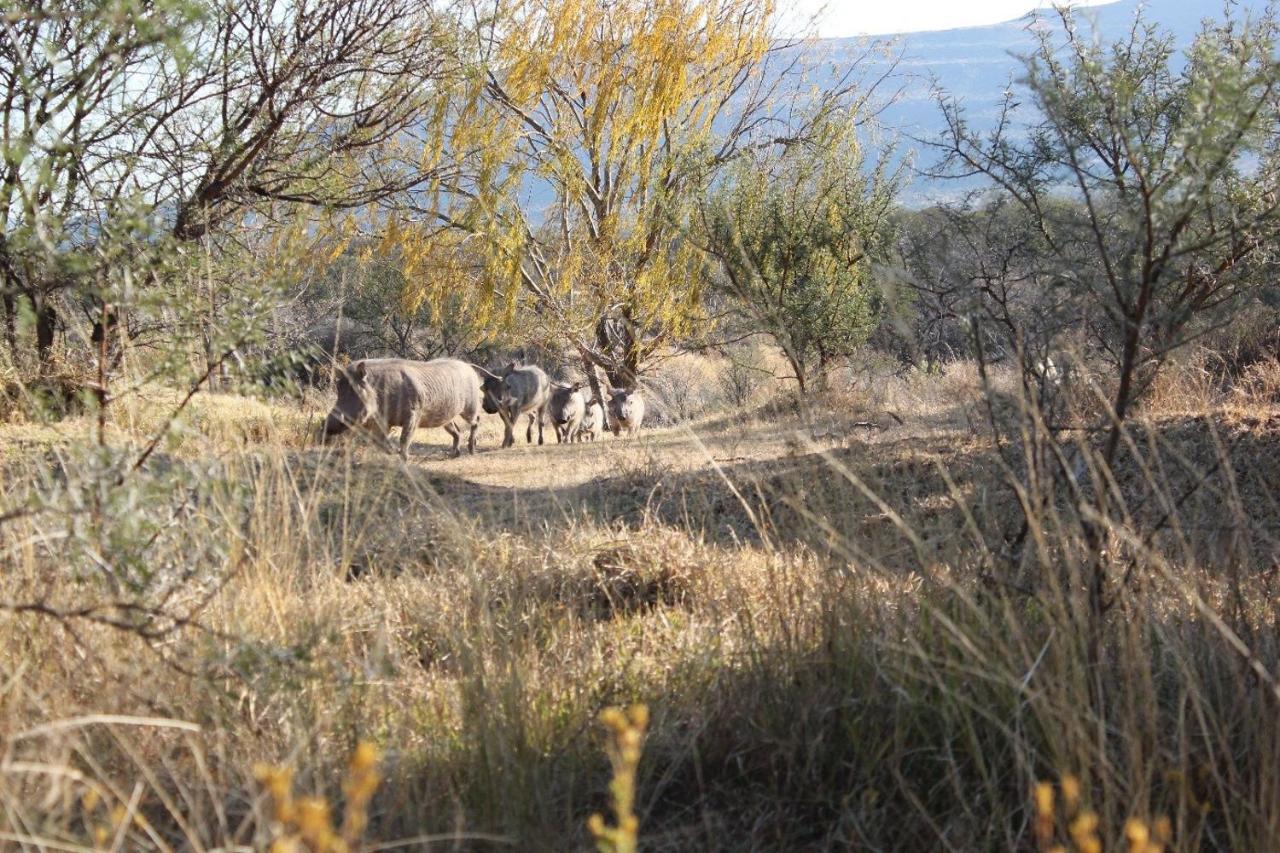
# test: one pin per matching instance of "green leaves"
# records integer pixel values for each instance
(796, 236)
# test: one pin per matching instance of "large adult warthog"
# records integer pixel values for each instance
(566, 408)
(516, 391)
(626, 411)
(380, 393)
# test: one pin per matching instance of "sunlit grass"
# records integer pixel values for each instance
(822, 670)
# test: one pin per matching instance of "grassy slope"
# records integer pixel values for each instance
(811, 610)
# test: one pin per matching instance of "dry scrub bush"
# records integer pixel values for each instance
(751, 373)
(1192, 383)
(1259, 384)
(63, 390)
(683, 388)
(1203, 380)
(842, 645)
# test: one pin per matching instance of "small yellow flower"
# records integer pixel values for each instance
(624, 749)
(1044, 799)
(614, 720)
(1085, 824)
(1071, 792)
(1137, 834)
(1043, 796)
(639, 715)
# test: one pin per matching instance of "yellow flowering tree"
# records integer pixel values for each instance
(585, 131)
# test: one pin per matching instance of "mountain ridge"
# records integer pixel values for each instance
(976, 65)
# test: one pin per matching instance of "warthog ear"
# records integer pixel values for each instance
(577, 386)
(510, 368)
(358, 371)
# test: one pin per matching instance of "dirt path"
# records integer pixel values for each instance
(699, 446)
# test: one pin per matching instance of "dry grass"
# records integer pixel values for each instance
(840, 640)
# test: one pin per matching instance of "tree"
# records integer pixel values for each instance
(129, 124)
(796, 237)
(1151, 185)
(374, 286)
(67, 80)
(976, 267)
(1175, 164)
(588, 133)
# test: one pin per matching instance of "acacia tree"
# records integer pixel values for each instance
(64, 98)
(1151, 183)
(368, 285)
(982, 284)
(1174, 167)
(132, 124)
(162, 163)
(588, 131)
(795, 237)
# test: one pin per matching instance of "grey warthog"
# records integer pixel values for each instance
(566, 408)
(626, 411)
(516, 391)
(592, 422)
(380, 393)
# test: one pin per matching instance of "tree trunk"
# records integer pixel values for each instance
(46, 328)
(593, 381)
(10, 323)
(102, 335)
(616, 342)
(796, 368)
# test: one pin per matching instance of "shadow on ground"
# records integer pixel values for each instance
(868, 496)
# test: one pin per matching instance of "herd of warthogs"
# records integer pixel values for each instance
(379, 393)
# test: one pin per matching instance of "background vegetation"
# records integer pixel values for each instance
(951, 527)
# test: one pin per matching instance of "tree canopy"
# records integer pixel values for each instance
(796, 237)
(587, 132)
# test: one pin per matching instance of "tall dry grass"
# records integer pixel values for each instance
(850, 632)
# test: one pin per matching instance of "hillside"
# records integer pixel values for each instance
(976, 64)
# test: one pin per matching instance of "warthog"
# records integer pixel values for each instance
(592, 422)
(626, 411)
(513, 392)
(566, 408)
(380, 393)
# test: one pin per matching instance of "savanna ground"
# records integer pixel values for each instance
(845, 634)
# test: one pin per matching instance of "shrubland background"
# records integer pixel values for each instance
(950, 527)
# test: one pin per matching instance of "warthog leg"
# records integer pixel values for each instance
(457, 438)
(406, 434)
(508, 432)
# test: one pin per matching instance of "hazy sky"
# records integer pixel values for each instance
(854, 17)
